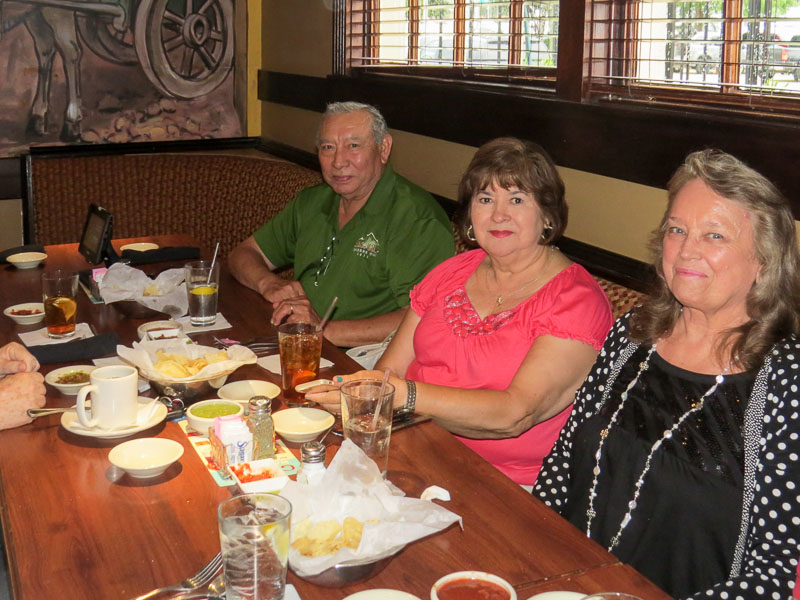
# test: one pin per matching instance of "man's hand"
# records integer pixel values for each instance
(18, 393)
(14, 358)
(294, 310)
(275, 291)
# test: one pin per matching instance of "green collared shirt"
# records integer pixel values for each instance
(371, 263)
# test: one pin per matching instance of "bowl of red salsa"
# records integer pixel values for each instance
(472, 585)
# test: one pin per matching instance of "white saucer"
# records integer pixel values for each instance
(558, 596)
(381, 595)
(69, 421)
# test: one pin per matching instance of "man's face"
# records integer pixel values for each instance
(351, 162)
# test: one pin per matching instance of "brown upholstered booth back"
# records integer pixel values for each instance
(215, 198)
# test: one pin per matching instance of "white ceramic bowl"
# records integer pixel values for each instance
(26, 319)
(302, 424)
(168, 326)
(26, 260)
(145, 457)
(139, 246)
(70, 389)
(475, 575)
(242, 391)
(264, 476)
(201, 424)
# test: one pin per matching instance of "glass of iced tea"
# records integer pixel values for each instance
(300, 346)
(60, 295)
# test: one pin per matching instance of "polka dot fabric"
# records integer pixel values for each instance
(766, 556)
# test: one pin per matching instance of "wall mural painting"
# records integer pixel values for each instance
(115, 71)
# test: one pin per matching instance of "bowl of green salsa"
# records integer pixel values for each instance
(201, 415)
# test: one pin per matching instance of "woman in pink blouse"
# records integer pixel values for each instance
(499, 338)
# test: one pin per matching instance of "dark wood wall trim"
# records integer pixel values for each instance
(642, 144)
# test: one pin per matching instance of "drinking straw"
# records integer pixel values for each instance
(327, 316)
(213, 260)
(380, 399)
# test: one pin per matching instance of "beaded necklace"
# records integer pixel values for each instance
(591, 513)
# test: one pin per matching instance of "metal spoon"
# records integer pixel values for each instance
(35, 413)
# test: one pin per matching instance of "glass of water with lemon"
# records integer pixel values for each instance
(254, 538)
(202, 285)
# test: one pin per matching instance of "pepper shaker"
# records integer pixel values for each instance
(260, 423)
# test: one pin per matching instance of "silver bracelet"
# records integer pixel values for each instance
(411, 397)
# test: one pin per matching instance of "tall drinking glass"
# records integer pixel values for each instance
(361, 399)
(202, 285)
(300, 347)
(254, 538)
(60, 296)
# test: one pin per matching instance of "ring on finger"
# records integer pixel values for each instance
(291, 308)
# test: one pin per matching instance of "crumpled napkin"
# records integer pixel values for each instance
(353, 487)
(122, 282)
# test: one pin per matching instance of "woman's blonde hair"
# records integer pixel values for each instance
(773, 302)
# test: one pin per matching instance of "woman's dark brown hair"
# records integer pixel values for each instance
(511, 162)
(773, 302)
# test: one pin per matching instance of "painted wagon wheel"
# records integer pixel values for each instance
(106, 42)
(185, 46)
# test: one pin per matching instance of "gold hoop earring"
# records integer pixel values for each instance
(546, 230)
(471, 234)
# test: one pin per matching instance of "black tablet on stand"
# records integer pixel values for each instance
(95, 244)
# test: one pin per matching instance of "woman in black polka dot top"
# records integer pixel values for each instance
(681, 453)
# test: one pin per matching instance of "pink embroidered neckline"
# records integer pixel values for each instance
(464, 320)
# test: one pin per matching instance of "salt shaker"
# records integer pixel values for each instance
(312, 457)
(260, 423)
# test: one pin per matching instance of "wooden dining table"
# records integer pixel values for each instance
(74, 526)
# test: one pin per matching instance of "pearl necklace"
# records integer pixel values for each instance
(591, 513)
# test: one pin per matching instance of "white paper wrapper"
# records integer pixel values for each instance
(143, 354)
(353, 487)
(122, 282)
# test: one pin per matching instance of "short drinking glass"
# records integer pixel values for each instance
(360, 401)
(300, 346)
(60, 296)
(202, 285)
(254, 538)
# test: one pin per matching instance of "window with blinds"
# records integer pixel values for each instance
(736, 48)
(461, 35)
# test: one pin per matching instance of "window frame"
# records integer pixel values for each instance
(572, 80)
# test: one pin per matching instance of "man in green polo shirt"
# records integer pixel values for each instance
(367, 235)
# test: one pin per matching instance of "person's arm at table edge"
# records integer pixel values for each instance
(357, 332)
(250, 266)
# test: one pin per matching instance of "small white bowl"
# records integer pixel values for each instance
(145, 457)
(473, 575)
(201, 424)
(302, 424)
(70, 389)
(167, 326)
(26, 319)
(242, 391)
(139, 247)
(26, 260)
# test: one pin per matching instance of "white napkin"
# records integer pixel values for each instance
(40, 337)
(220, 323)
(272, 363)
(290, 593)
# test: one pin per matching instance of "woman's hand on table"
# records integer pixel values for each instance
(328, 396)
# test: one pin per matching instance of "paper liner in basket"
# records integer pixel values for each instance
(353, 487)
(143, 354)
(122, 282)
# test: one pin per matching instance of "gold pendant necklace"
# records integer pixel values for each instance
(499, 299)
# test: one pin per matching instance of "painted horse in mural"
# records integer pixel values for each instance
(184, 47)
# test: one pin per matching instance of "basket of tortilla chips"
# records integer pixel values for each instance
(188, 371)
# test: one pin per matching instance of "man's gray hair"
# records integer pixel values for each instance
(379, 127)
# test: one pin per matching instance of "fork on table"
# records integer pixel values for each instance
(203, 577)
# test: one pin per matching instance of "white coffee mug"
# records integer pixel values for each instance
(115, 394)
